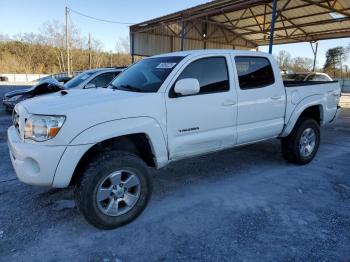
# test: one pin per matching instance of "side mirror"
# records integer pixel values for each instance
(90, 85)
(187, 86)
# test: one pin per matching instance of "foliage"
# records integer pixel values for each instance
(335, 58)
(45, 52)
(295, 65)
(302, 64)
(284, 60)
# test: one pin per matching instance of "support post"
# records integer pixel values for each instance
(67, 43)
(314, 50)
(171, 43)
(272, 28)
(132, 42)
(182, 34)
(205, 33)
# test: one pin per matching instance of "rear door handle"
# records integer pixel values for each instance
(229, 103)
(276, 97)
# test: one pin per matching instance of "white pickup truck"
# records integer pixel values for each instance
(161, 109)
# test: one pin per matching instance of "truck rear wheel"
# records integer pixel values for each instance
(113, 190)
(301, 146)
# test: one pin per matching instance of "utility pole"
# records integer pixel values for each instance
(67, 43)
(90, 61)
(111, 54)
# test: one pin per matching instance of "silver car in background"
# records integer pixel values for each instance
(99, 77)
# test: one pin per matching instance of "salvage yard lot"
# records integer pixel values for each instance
(240, 204)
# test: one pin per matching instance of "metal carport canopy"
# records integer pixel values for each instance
(242, 24)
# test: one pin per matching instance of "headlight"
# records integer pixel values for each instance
(14, 98)
(41, 128)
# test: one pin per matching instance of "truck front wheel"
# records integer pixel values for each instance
(301, 146)
(113, 190)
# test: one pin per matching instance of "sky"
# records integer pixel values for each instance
(22, 16)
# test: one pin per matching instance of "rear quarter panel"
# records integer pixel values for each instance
(299, 98)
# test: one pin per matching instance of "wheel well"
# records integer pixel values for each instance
(313, 112)
(137, 144)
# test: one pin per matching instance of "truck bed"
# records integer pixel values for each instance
(291, 83)
(324, 93)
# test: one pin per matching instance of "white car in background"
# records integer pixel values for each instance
(314, 76)
(99, 77)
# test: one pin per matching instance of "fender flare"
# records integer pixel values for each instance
(313, 100)
(89, 137)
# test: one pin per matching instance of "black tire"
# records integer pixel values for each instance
(96, 172)
(290, 144)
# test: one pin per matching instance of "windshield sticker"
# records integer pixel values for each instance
(166, 65)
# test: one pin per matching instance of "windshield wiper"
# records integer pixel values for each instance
(127, 87)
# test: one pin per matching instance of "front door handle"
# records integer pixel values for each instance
(229, 103)
(276, 97)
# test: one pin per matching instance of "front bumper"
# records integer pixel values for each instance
(34, 164)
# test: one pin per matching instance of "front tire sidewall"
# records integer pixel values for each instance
(97, 171)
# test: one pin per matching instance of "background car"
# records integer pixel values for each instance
(99, 77)
(49, 85)
(314, 76)
(318, 77)
(94, 78)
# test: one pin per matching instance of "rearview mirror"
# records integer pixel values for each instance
(187, 86)
(90, 85)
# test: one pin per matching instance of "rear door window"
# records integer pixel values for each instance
(254, 72)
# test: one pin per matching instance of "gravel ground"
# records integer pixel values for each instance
(244, 204)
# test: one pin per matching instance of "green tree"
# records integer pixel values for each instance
(335, 58)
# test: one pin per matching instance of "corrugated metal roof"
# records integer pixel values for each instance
(242, 24)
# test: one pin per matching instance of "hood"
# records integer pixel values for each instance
(50, 84)
(32, 89)
(52, 81)
(17, 92)
(86, 108)
(89, 100)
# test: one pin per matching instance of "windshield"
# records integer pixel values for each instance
(147, 75)
(312, 77)
(294, 77)
(78, 80)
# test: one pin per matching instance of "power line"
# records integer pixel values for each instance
(99, 19)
